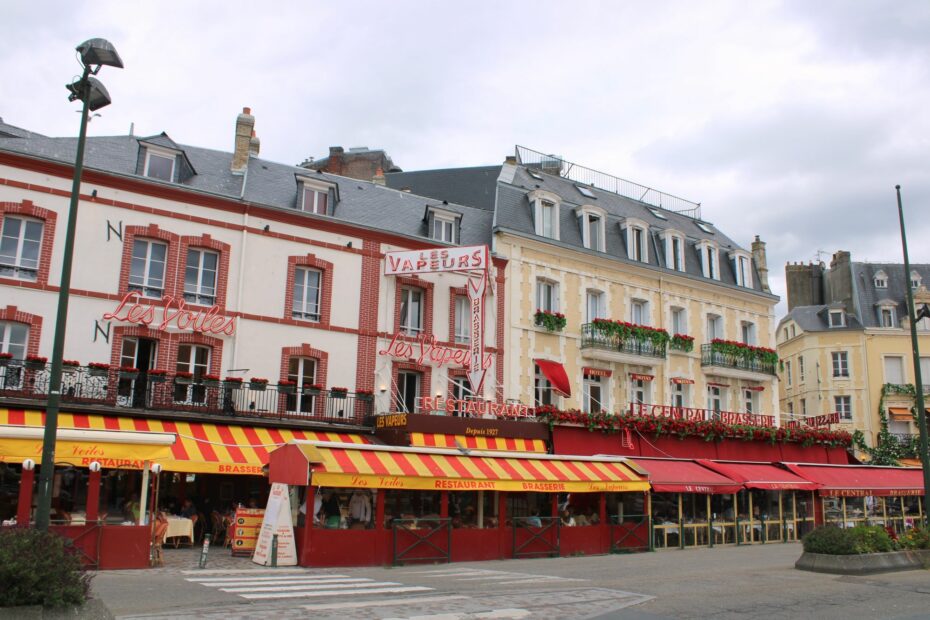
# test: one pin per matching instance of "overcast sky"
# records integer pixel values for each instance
(792, 121)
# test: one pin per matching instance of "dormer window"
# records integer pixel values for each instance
(881, 279)
(837, 318)
(674, 250)
(637, 240)
(742, 267)
(545, 213)
(442, 224)
(709, 260)
(444, 230)
(915, 279)
(593, 223)
(314, 200)
(159, 165)
(887, 316)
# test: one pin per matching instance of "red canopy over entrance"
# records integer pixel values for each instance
(685, 476)
(556, 375)
(861, 480)
(760, 475)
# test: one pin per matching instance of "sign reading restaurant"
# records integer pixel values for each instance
(694, 414)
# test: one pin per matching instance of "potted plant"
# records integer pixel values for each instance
(313, 390)
(98, 369)
(364, 395)
(156, 375)
(36, 362)
(211, 380)
(128, 372)
(70, 366)
(233, 383)
(5, 359)
(551, 321)
(286, 386)
(258, 384)
(682, 342)
(182, 377)
(338, 392)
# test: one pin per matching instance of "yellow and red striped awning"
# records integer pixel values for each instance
(500, 444)
(450, 470)
(199, 447)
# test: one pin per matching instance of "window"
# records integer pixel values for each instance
(302, 371)
(639, 312)
(880, 279)
(636, 243)
(680, 395)
(714, 327)
(657, 213)
(147, 269)
(584, 191)
(200, 277)
(547, 219)
(837, 318)
(716, 398)
(594, 396)
(711, 269)
(462, 319)
(674, 252)
(843, 406)
(547, 296)
(544, 395)
(749, 401)
(785, 334)
(925, 373)
(748, 332)
(894, 370)
(788, 372)
(315, 200)
(743, 270)
(13, 338)
(804, 407)
(801, 368)
(840, 364)
(639, 391)
(595, 235)
(791, 409)
(595, 305)
(459, 388)
(792, 331)
(306, 304)
(194, 359)
(705, 227)
(408, 389)
(593, 226)
(443, 229)
(679, 321)
(411, 311)
(923, 324)
(915, 279)
(886, 316)
(159, 165)
(20, 242)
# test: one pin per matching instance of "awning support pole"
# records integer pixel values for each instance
(144, 494)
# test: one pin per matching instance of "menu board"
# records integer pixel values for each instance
(277, 522)
(246, 524)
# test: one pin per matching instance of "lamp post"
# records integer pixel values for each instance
(912, 319)
(94, 54)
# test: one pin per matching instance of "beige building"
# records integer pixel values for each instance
(845, 345)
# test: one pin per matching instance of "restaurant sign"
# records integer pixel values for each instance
(816, 421)
(174, 313)
(405, 263)
(696, 415)
(473, 408)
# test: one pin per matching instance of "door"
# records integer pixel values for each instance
(195, 360)
(140, 354)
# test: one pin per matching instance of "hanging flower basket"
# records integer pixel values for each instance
(98, 369)
(258, 384)
(157, 376)
(183, 378)
(338, 392)
(128, 372)
(551, 321)
(36, 362)
(287, 387)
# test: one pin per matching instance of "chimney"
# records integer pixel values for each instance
(510, 160)
(758, 256)
(254, 144)
(245, 123)
(334, 161)
(378, 179)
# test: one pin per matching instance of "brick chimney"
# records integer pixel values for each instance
(758, 256)
(245, 123)
(254, 144)
(378, 178)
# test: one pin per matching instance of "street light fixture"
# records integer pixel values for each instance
(912, 319)
(94, 54)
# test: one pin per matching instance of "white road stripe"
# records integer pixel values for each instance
(264, 595)
(290, 582)
(206, 580)
(407, 600)
(333, 586)
(243, 571)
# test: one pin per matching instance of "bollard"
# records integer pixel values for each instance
(274, 551)
(203, 552)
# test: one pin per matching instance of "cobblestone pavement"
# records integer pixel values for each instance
(745, 582)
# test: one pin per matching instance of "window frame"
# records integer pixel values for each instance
(27, 210)
(674, 258)
(600, 310)
(444, 223)
(839, 362)
(742, 268)
(303, 314)
(748, 333)
(310, 261)
(678, 320)
(832, 314)
(144, 288)
(17, 266)
(198, 295)
(710, 259)
(461, 310)
(553, 304)
(644, 311)
(845, 411)
(540, 200)
(543, 392)
(6, 333)
(903, 367)
(406, 293)
(316, 189)
(172, 156)
(714, 323)
(880, 279)
(889, 311)
(637, 229)
(593, 218)
(603, 387)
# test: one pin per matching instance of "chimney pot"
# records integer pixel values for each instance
(246, 110)
(243, 141)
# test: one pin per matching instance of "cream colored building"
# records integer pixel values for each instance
(845, 337)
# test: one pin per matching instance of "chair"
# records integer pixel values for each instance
(219, 532)
(158, 540)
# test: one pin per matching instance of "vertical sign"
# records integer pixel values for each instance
(278, 522)
(245, 530)
(476, 369)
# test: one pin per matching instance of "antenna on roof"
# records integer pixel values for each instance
(819, 254)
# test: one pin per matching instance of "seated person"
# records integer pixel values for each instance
(188, 510)
(533, 520)
(567, 519)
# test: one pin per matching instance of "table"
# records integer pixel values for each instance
(180, 527)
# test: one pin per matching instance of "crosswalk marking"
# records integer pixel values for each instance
(406, 600)
(284, 582)
(498, 577)
(311, 586)
(265, 595)
(301, 575)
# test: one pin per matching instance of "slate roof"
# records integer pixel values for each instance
(12, 131)
(868, 296)
(267, 183)
(467, 186)
(816, 319)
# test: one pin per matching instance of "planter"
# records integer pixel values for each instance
(5, 361)
(157, 378)
(864, 564)
(364, 398)
(98, 372)
(287, 389)
(311, 392)
(258, 387)
(35, 365)
(232, 385)
(69, 369)
(337, 394)
(128, 375)
(211, 383)
(183, 380)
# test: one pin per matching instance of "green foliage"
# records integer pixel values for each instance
(889, 449)
(916, 538)
(833, 540)
(552, 321)
(632, 332)
(40, 568)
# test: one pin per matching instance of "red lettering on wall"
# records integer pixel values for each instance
(173, 314)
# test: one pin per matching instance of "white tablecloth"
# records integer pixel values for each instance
(180, 527)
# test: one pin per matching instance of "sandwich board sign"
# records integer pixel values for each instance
(278, 522)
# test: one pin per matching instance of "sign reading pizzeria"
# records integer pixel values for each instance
(173, 313)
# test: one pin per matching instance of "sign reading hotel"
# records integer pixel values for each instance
(174, 313)
(475, 261)
(695, 415)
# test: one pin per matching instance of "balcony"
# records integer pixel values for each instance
(743, 365)
(599, 344)
(112, 388)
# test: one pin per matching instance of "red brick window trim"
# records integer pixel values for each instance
(153, 233)
(12, 314)
(215, 345)
(426, 375)
(204, 242)
(326, 288)
(48, 218)
(321, 358)
(166, 355)
(426, 324)
(455, 293)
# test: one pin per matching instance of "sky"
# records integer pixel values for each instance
(793, 121)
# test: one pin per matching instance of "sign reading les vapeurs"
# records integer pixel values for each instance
(174, 313)
(468, 258)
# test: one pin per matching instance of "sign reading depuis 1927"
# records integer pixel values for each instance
(468, 258)
(692, 414)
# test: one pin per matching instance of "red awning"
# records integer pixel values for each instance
(760, 475)
(900, 413)
(685, 476)
(682, 380)
(861, 480)
(556, 375)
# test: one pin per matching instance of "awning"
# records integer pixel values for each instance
(861, 480)
(682, 381)
(199, 447)
(387, 467)
(685, 476)
(900, 414)
(555, 373)
(110, 448)
(760, 475)
(503, 444)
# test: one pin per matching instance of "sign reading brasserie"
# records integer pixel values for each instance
(174, 313)
(473, 408)
(694, 414)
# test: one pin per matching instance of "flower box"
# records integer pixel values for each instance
(233, 383)
(287, 387)
(5, 359)
(259, 385)
(682, 342)
(550, 321)
(210, 381)
(98, 369)
(35, 362)
(338, 392)
(157, 376)
(128, 372)
(365, 396)
(184, 378)
(70, 366)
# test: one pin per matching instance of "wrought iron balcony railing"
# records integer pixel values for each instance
(710, 356)
(115, 388)
(594, 337)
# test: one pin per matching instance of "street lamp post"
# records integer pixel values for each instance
(94, 53)
(912, 320)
